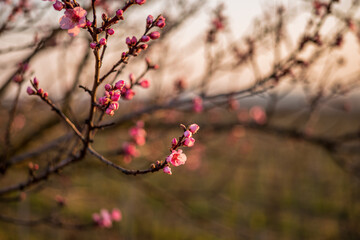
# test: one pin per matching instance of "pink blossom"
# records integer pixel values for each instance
(116, 96)
(102, 41)
(18, 78)
(114, 106)
(143, 46)
(154, 35)
(73, 20)
(187, 134)
(167, 170)
(176, 158)
(194, 128)
(116, 215)
(144, 83)
(128, 93)
(189, 142)
(105, 218)
(58, 6)
(130, 151)
(40, 91)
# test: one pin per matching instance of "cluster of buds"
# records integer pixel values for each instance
(177, 157)
(138, 135)
(36, 90)
(109, 102)
(105, 218)
(136, 46)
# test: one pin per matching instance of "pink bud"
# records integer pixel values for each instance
(140, 2)
(108, 87)
(119, 13)
(58, 6)
(30, 91)
(132, 77)
(189, 142)
(154, 35)
(36, 82)
(102, 41)
(88, 23)
(104, 16)
(149, 20)
(116, 96)
(143, 46)
(110, 31)
(109, 112)
(40, 91)
(114, 106)
(133, 40)
(160, 22)
(174, 142)
(46, 95)
(144, 83)
(194, 128)
(187, 134)
(120, 84)
(93, 45)
(128, 41)
(144, 38)
(167, 170)
(17, 78)
(156, 66)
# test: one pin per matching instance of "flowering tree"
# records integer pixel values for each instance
(99, 100)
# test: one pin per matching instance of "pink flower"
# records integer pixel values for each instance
(194, 128)
(138, 133)
(102, 41)
(116, 215)
(187, 134)
(189, 142)
(154, 35)
(167, 170)
(73, 20)
(128, 94)
(176, 158)
(110, 112)
(108, 87)
(114, 106)
(144, 83)
(116, 96)
(105, 218)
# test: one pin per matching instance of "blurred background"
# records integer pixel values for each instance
(273, 86)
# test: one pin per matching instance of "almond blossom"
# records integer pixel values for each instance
(73, 20)
(176, 158)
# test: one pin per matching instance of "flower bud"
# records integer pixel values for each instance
(102, 41)
(149, 20)
(194, 128)
(58, 6)
(144, 83)
(36, 82)
(119, 14)
(120, 84)
(93, 45)
(189, 142)
(110, 31)
(108, 87)
(167, 170)
(144, 38)
(154, 35)
(30, 91)
(140, 2)
(187, 134)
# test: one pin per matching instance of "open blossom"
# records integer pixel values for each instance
(73, 20)
(167, 170)
(176, 158)
(116, 215)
